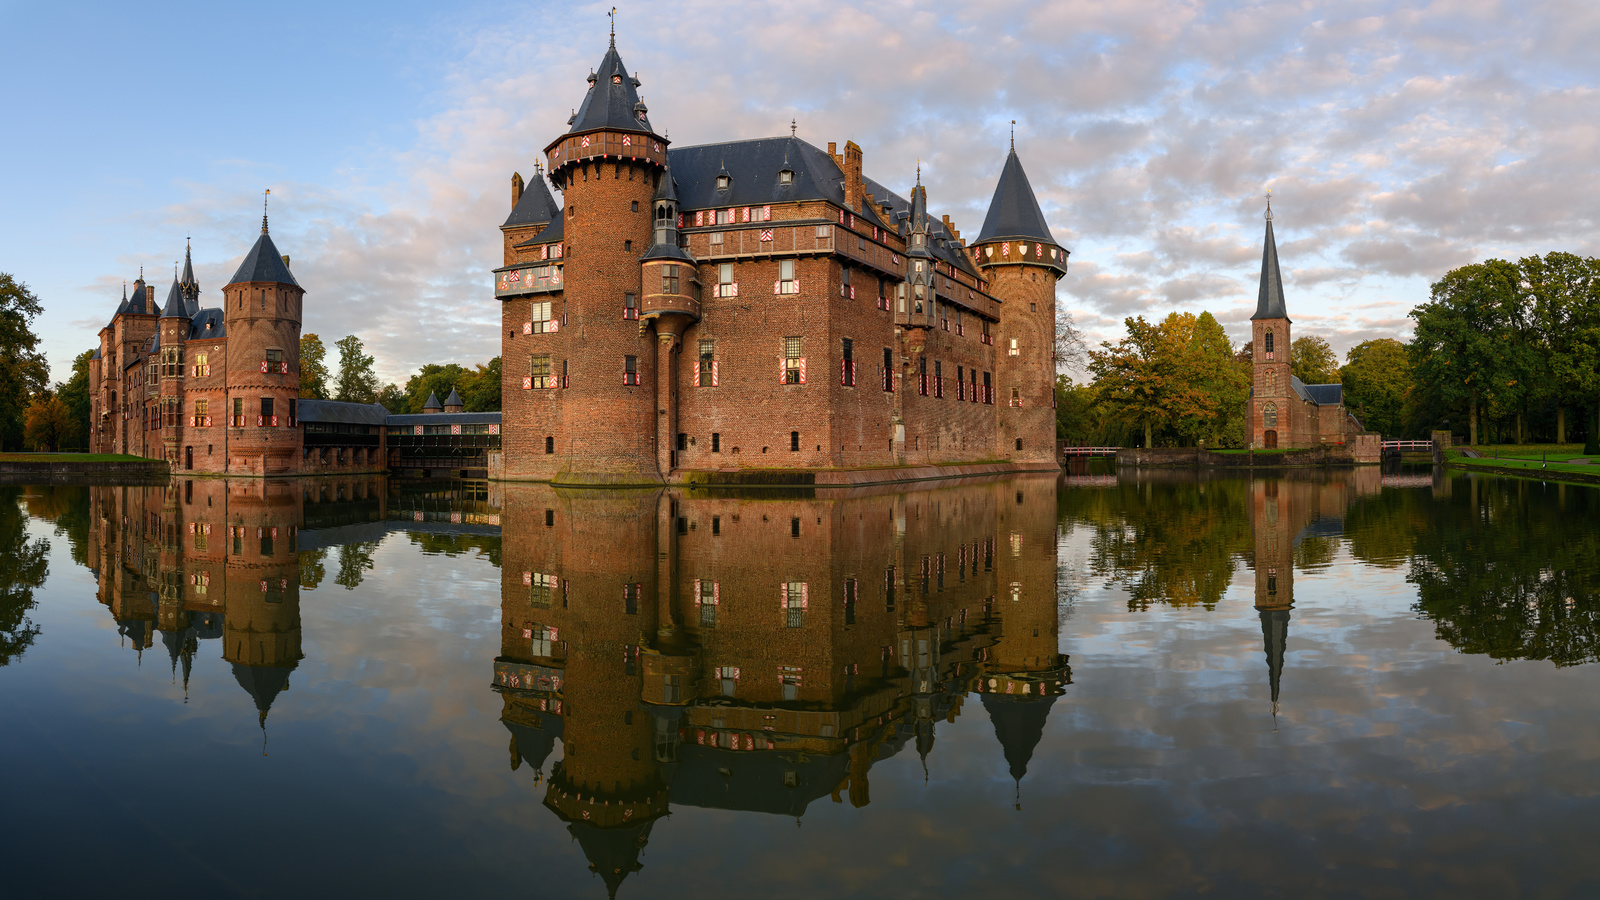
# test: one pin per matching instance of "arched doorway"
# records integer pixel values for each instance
(1269, 439)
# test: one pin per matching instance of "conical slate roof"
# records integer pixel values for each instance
(612, 101)
(264, 683)
(454, 399)
(1269, 303)
(535, 207)
(1019, 724)
(263, 263)
(174, 305)
(613, 853)
(1275, 637)
(433, 402)
(1014, 211)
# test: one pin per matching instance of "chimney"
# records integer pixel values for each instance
(516, 189)
(150, 298)
(854, 190)
(286, 260)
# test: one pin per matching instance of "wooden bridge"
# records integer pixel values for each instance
(1407, 446)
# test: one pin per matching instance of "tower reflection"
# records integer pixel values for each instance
(760, 652)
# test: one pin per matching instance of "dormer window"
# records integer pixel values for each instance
(616, 79)
(786, 177)
(723, 182)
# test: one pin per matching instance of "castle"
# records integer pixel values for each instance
(761, 304)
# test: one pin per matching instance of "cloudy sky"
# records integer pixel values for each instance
(1399, 140)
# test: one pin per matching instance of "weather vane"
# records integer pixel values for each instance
(1013, 134)
(613, 15)
(1269, 204)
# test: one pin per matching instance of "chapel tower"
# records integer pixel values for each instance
(1022, 262)
(1270, 413)
(262, 306)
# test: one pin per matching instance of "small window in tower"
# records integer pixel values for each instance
(1013, 350)
(539, 370)
(726, 286)
(1267, 342)
(630, 370)
(540, 314)
(723, 182)
(716, 238)
(786, 177)
(786, 280)
(1269, 414)
(848, 367)
(669, 279)
(716, 447)
(707, 364)
(616, 79)
(793, 365)
(630, 306)
(549, 445)
(627, 246)
(635, 206)
(938, 378)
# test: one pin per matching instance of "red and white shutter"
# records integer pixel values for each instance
(783, 370)
(713, 373)
(697, 376)
(802, 370)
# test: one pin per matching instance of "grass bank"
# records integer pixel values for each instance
(1547, 462)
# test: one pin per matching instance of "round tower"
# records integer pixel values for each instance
(1022, 262)
(262, 306)
(601, 355)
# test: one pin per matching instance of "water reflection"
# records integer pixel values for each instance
(761, 653)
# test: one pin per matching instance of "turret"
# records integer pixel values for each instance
(1022, 262)
(921, 305)
(452, 403)
(262, 305)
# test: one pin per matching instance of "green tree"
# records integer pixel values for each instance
(1132, 377)
(357, 383)
(23, 372)
(482, 393)
(313, 368)
(1313, 362)
(1377, 379)
(1564, 292)
(393, 399)
(1180, 377)
(1458, 351)
(75, 394)
(1213, 386)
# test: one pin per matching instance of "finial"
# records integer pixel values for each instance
(1013, 135)
(1269, 204)
(791, 127)
(919, 170)
(613, 15)
(124, 288)
(264, 198)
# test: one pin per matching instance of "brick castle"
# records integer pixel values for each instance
(762, 304)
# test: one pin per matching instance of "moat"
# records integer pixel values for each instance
(1156, 684)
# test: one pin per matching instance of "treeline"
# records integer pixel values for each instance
(34, 414)
(1503, 352)
(356, 380)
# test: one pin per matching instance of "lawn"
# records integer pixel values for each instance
(1529, 451)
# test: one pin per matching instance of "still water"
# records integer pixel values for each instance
(1344, 683)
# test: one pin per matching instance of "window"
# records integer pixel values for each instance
(683, 444)
(669, 279)
(883, 294)
(202, 409)
(1016, 396)
(294, 411)
(630, 306)
(549, 444)
(726, 287)
(794, 603)
(630, 370)
(716, 238)
(635, 206)
(540, 640)
(274, 356)
(705, 374)
(824, 231)
(988, 389)
(1013, 350)
(938, 378)
(852, 592)
(723, 182)
(847, 368)
(540, 591)
(846, 289)
(202, 364)
(922, 375)
(539, 372)
(986, 338)
(706, 595)
(973, 396)
(794, 447)
(238, 412)
(1267, 341)
(961, 384)
(1269, 413)
(267, 418)
(627, 246)
(716, 447)
(786, 177)
(787, 284)
(888, 370)
(540, 315)
(724, 217)
(793, 365)
(631, 593)
(944, 316)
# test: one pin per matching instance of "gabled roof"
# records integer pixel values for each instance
(1325, 394)
(1014, 210)
(1269, 302)
(535, 206)
(612, 101)
(263, 263)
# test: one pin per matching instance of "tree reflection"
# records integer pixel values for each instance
(25, 565)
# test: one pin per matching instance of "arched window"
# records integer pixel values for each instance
(1269, 415)
(1268, 341)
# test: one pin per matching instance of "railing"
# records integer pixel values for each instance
(1404, 446)
(1089, 451)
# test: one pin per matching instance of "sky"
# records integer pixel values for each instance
(1399, 141)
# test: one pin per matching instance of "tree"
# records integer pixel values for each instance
(1180, 376)
(1313, 362)
(393, 399)
(479, 387)
(1377, 378)
(313, 368)
(1132, 376)
(23, 372)
(357, 383)
(1070, 351)
(482, 393)
(27, 564)
(1458, 352)
(75, 394)
(49, 424)
(1564, 293)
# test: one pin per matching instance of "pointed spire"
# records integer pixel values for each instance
(432, 404)
(264, 198)
(1275, 638)
(1014, 210)
(263, 263)
(536, 206)
(1269, 302)
(612, 101)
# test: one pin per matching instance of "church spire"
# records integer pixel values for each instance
(1269, 302)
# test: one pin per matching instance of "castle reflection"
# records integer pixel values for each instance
(758, 653)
